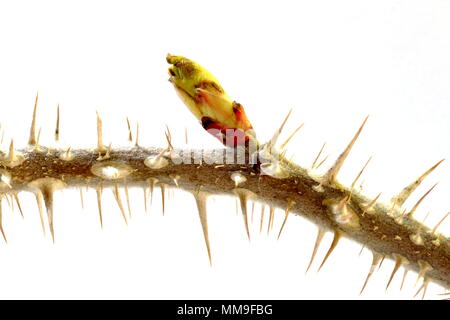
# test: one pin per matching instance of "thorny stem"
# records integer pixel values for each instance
(378, 231)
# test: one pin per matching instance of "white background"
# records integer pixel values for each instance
(333, 62)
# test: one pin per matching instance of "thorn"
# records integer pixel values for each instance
(404, 278)
(439, 223)
(362, 248)
(98, 190)
(424, 268)
(200, 198)
(271, 217)
(130, 135)
(12, 154)
(137, 134)
(286, 215)
(371, 203)
(263, 207)
(127, 197)
(322, 162)
(291, 136)
(318, 155)
(145, 198)
(11, 201)
(168, 138)
(424, 287)
(376, 258)
(336, 238)
(41, 215)
(360, 173)
(152, 182)
(342, 203)
(162, 186)
(119, 202)
(16, 197)
(277, 133)
(320, 234)
(410, 214)
(38, 137)
(81, 198)
(32, 138)
(100, 146)
(175, 178)
(407, 191)
(330, 176)
(398, 263)
(8, 202)
(1, 222)
(243, 196)
(253, 211)
(47, 194)
(381, 263)
(57, 124)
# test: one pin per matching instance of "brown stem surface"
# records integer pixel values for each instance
(378, 231)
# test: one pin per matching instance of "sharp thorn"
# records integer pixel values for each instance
(286, 215)
(253, 211)
(423, 287)
(318, 155)
(168, 138)
(381, 263)
(408, 190)
(57, 124)
(16, 197)
(47, 194)
(243, 196)
(271, 217)
(362, 248)
(119, 202)
(100, 146)
(291, 136)
(359, 174)
(145, 198)
(130, 135)
(371, 203)
(200, 198)
(98, 191)
(322, 162)
(152, 182)
(330, 176)
(399, 261)
(439, 223)
(81, 198)
(137, 134)
(32, 138)
(277, 133)
(410, 214)
(127, 197)
(41, 214)
(263, 207)
(320, 234)
(376, 258)
(334, 243)
(403, 278)
(162, 186)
